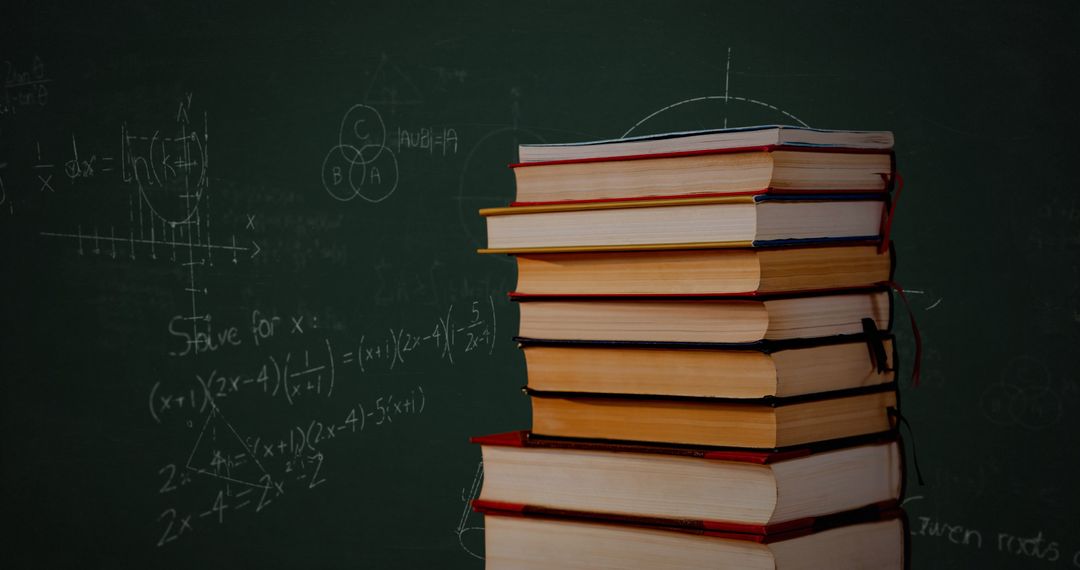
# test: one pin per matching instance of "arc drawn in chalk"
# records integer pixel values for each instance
(712, 97)
(725, 98)
(201, 184)
(462, 197)
(462, 528)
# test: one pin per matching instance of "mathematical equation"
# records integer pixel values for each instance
(443, 141)
(477, 329)
(263, 328)
(293, 375)
(254, 471)
(173, 165)
(398, 284)
(24, 87)
(364, 162)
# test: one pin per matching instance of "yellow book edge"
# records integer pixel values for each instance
(618, 204)
(631, 247)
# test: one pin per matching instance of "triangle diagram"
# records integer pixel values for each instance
(221, 453)
(390, 87)
(468, 524)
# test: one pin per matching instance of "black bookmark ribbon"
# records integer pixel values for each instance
(901, 420)
(876, 346)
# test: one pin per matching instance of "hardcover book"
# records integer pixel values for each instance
(690, 223)
(741, 271)
(711, 172)
(764, 423)
(690, 141)
(778, 369)
(738, 491)
(723, 320)
(529, 542)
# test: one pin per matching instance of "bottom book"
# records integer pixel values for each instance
(525, 542)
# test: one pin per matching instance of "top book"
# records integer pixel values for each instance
(707, 140)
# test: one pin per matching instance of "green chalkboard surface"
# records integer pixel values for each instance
(244, 323)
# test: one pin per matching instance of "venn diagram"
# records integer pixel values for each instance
(360, 165)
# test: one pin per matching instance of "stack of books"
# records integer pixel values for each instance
(706, 333)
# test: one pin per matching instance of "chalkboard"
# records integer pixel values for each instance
(245, 324)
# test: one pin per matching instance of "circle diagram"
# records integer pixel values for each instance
(360, 165)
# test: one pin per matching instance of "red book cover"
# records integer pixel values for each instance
(763, 534)
(524, 438)
(747, 531)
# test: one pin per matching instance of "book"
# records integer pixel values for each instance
(770, 369)
(691, 223)
(764, 423)
(702, 271)
(762, 493)
(758, 170)
(724, 320)
(690, 141)
(539, 543)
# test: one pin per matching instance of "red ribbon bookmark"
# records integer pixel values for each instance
(887, 215)
(916, 366)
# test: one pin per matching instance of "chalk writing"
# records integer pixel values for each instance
(1055, 230)
(1031, 547)
(175, 524)
(1023, 396)
(435, 286)
(253, 472)
(726, 99)
(451, 75)
(391, 87)
(470, 521)
(954, 533)
(310, 373)
(263, 327)
(24, 87)
(166, 172)
(364, 162)
(484, 162)
(314, 372)
(361, 164)
(1034, 546)
(442, 141)
(474, 328)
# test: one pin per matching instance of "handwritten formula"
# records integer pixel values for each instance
(25, 86)
(252, 472)
(237, 470)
